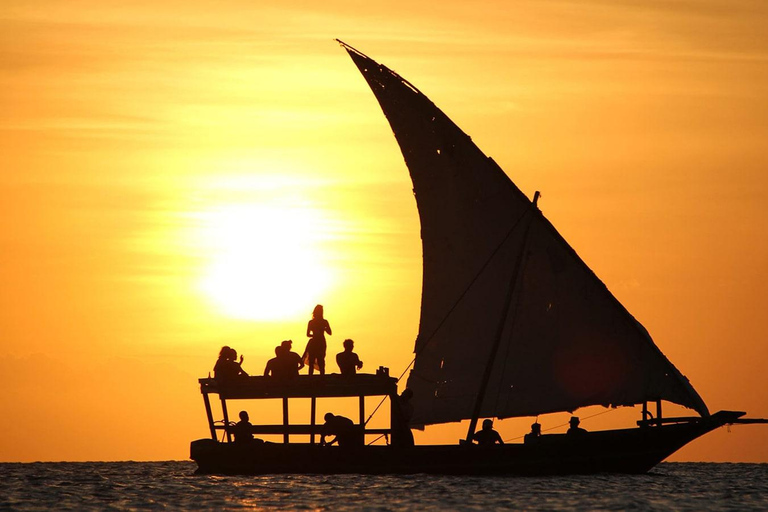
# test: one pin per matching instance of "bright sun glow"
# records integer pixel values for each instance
(266, 262)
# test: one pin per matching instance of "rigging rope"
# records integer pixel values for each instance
(561, 425)
(474, 280)
(455, 305)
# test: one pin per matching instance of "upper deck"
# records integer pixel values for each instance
(302, 386)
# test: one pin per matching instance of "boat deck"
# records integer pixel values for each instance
(302, 386)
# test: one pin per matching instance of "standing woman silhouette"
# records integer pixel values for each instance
(314, 355)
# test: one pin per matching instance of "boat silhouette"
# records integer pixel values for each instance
(513, 323)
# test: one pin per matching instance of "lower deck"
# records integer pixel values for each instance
(634, 450)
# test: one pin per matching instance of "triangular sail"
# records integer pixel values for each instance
(566, 341)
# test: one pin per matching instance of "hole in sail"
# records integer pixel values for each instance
(438, 152)
(442, 363)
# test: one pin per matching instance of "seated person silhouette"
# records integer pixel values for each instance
(293, 361)
(344, 429)
(227, 368)
(348, 361)
(534, 435)
(242, 429)
(281, 367)
(575, 429)
(273, 365)
(487, 436)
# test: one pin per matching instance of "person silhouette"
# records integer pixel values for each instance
(401, 419)
(220, 368)
(243, 429)
(314, 354)
(227, 368)
(348, 361)
(534, 435)
(276, 366)
(293, 361)
(574, 428)
(343, 429)
(487, 436)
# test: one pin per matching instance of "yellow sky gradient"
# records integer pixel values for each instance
(156, 158)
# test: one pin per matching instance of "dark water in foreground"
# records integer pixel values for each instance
(173, 486)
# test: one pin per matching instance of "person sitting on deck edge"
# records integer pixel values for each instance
(534, 435)
(276, 366)
(243, 429)
(344, 429)
(227, 368)
(348, 361)
(487, 436)
(575, 429)
(293, 361)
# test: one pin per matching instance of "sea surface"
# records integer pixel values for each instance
(174, 486)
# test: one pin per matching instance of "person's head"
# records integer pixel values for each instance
(224, 352)
(280, 350)
(349, 345)
(407, 394)
(574, 421)
(487, 424)
(536, 428)
(318, 311)
(287, 345)
(243, 416)
(232, 354)
(328, 416)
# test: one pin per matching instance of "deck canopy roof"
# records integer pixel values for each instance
(302, 386)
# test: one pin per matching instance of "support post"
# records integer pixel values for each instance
(658, 411)
(209, 415)
(226, 419)
(285, 420)
(499, 332)
(394, 408)
(362, 415)
(312, 414)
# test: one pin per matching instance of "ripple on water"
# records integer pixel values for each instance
(173, 485)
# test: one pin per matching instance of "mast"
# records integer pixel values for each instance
(499, 331)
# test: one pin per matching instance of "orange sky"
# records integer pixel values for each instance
(156, 159)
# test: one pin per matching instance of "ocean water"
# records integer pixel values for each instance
(174, 486)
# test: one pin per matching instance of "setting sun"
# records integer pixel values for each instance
(266, 262)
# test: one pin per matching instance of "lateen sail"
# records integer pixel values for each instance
(566, 342)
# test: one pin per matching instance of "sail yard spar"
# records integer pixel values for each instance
(566, 341)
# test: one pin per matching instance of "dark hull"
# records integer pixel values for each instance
(615, 451)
